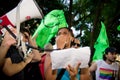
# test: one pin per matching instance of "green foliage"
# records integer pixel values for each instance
(84, 12)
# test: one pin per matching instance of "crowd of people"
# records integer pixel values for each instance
(14, 66)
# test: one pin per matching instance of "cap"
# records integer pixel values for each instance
(110, 49)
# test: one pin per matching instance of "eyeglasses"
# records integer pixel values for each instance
(74, 44)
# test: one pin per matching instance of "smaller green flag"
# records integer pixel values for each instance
(118, 28)
(49, 27)
(101, 44)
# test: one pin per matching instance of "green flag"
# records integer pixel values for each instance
(118, 28)
(49, 27)
(101, 44)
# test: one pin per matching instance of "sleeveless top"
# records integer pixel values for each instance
(66, 76)
(106, 71)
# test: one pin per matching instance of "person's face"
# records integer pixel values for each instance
(25, 37)
(76, 43)
(63, 38)
(111, 56)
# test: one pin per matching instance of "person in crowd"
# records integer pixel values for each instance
(6, 42)
(14, 61)
(108, 68)
(32, 71)
(84, 72)
(75, 43)
(63, 41)
(47, 49)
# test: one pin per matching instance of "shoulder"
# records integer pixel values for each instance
(99, 62)
(117, 64)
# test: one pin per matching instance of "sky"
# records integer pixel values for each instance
(75, 32)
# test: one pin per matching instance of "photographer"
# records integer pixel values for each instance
(15, 62)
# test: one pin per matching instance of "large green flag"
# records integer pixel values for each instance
(101, 44)
(49, 27)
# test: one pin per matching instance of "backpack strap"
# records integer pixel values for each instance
(60, 74)
(41, 66)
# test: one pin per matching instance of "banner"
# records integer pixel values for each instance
(73, 56)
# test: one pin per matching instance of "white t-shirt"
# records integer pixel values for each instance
(106, 71)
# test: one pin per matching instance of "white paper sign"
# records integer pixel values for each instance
(72, 56)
